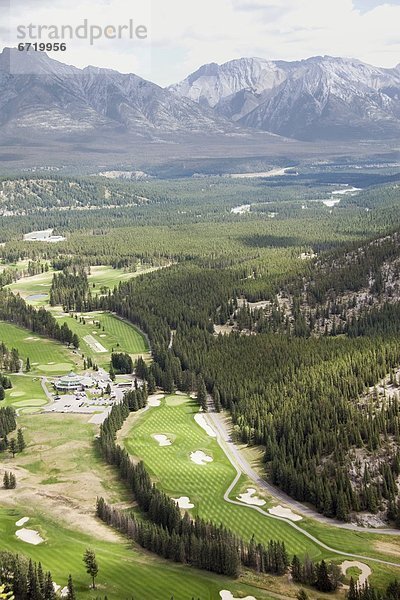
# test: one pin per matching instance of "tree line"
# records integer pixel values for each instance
(14, 309)
(8, 424)
(166, 532)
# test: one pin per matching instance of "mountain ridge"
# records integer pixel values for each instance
(315, 99)
(322, 97)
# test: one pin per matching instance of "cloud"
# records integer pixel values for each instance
(185, 35)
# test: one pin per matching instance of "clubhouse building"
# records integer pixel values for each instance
(73, 382)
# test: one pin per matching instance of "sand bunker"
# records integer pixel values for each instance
(365, 570)
(250, 498)
(162, 440)
(154, 402)
(155, 399)
(29, 536)
(22, 521)
(183, 502)
(200, 458)
(286, 513)
(201, 420)
(225, 595)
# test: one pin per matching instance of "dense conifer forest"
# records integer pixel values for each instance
(15, 310)
(296, 372)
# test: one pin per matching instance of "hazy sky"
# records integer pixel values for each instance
(183, 35)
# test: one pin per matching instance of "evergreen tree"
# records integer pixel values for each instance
(89, 558)
(13, 447)
(323, 582)
(71, 590)
(21, 445)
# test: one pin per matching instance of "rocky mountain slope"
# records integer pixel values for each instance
(42, 94)
(317, 98)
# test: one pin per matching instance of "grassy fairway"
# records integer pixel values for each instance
(36, 285)
(105, 276)
(100, 276)
(205, 485)
(59, 476)
(124, 572)
(26, 394)
(45, 355)
(118, 335)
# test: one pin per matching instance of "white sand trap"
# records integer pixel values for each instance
(201, 420)
(286, 513)
(162, 440)
(225, 595)
(365, 570)
(183, 502)
(155, 399)
(64, 592)
(29, 536)
(22, 521)
(56, 587)
(153, 402)
(103, 335)
(250, 498)
(200, 458)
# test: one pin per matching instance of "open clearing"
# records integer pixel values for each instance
(117, 336)
(100, 277)
(43, 353)
(205, 486)
(124, 571)
(59, 477)
(26, 393)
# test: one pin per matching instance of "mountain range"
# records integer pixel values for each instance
(321, 98)
(317, 98)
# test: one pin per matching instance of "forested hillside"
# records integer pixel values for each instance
(310, 298)
(291, 386)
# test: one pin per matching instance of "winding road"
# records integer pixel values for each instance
(241, 466)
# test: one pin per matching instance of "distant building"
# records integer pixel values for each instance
(73, 382)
